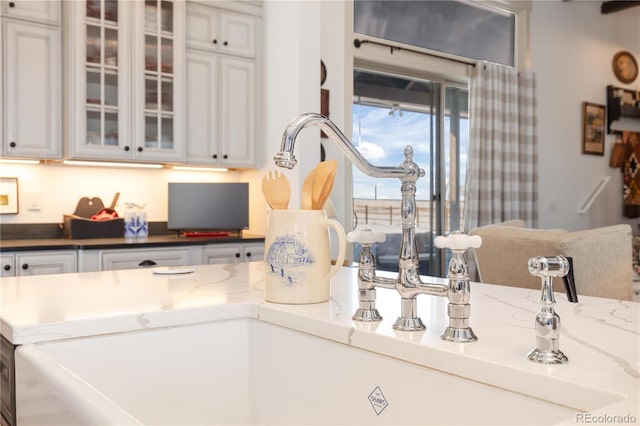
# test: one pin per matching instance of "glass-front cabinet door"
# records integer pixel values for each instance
(100, 108)
(157, 80)
(103, 74)
(122, 80)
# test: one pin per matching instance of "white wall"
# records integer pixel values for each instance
(571, 49)
(572, 45)
(291, 80)
(61, 187)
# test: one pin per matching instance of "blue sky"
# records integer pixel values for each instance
(381, 138)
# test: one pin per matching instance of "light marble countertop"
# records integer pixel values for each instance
(601, 337)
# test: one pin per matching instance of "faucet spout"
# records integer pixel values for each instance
(286, 158)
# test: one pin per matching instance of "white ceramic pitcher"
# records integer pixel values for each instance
(298, 256)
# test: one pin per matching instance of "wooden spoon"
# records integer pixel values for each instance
(276, 190)
(307, 189)
(323, 183)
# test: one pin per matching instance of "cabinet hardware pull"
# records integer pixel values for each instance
(237, 254)
(12, 144)
(25, 266)
(225, 156)
(248, 254)
(147, 263)
(139, 149)
(126, 148)
(215, 41)
(215, 156)
(226, 43)
(7, 267)
(12, 4)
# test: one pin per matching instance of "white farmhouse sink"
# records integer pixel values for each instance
(245, 371)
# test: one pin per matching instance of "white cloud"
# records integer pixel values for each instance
(374, 153)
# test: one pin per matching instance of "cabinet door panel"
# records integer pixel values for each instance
(202, 108)
(238, 33)
(158, 72)
(254, 252)
(7, 267)
(99, 96)
(32, 90)
(130, 259)
(202, 27)
(34, 263)
(45, 11)
(222, 254)
(238, 118)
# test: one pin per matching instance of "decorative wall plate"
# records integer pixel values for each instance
(625, 67)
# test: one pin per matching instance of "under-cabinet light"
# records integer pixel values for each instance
(19, 161)
(107, 164)
(200, 169)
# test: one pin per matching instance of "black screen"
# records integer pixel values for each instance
(208, 206)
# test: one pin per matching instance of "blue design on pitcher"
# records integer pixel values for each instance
(285, 256)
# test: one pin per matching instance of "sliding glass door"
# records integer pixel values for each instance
(391, 111)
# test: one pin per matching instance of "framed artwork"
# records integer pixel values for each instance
(593, 131)
(8, 195)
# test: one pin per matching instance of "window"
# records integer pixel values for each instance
(409, 98)
(469, 30)
(391, 111)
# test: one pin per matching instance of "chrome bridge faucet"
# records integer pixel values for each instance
(408, 283)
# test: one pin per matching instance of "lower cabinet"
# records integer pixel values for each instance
(22, 263)
(7, 383)
(232, 253)
(92, 260)
(133, 258)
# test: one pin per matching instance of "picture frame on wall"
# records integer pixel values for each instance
(8, 195)
(593, 128)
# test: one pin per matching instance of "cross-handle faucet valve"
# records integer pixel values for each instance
(367, 279)
(547, 322)
(459, 294)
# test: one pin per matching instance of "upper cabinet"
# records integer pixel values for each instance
(31, 79)
(223, 85)
(221, 31)
(124, 81)
(158, 83)
(43, 11)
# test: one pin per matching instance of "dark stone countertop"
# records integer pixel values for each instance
(120, 243)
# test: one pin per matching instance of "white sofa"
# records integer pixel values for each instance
(602, 257)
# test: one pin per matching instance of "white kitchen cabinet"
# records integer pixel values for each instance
(8, 266)
(43, 11)
(223, 90)
(24, 263)
(221, 31)
(125, 80)
(221, 110)
(31, 95)
(253, 252)
(150, 257)
(232, 253)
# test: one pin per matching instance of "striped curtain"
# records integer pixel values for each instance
(502, 177)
